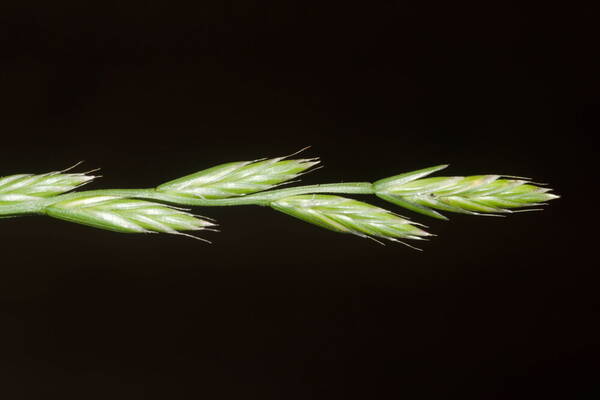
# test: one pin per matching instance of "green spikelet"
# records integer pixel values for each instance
(29, 187)
(478, 194)
(125, 215)
(237, 178)
(345, 215)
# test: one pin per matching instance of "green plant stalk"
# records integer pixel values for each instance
(259, 199)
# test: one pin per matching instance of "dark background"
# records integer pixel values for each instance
(276, 308)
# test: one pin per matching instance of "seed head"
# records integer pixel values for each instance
(345, 215)
(238, 178)
(126, 215)
(478, 194)
(28, 187)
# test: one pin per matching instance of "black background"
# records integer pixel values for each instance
(276, 308)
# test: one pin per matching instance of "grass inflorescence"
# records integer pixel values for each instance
(256, 182)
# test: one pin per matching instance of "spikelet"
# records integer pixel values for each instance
(479, 194)
(238, 178)
(345, 215)
(28, 187)
(126, 215)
